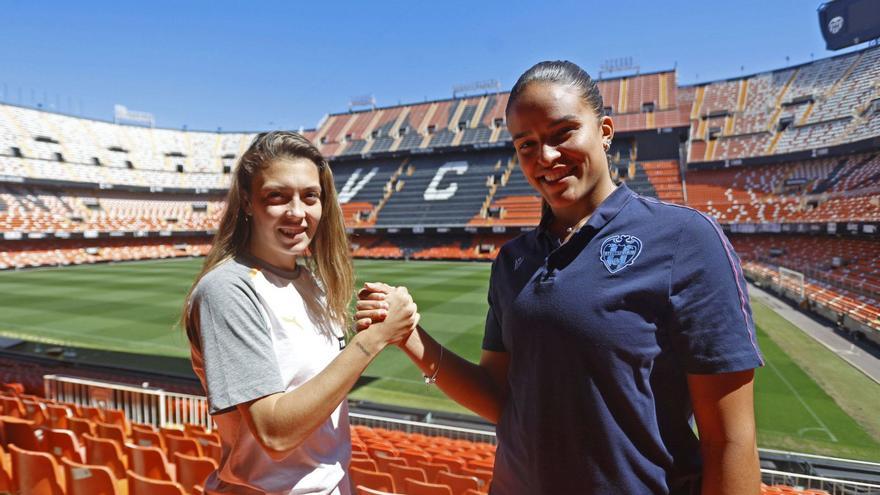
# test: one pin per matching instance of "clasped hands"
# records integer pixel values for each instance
(388, 311)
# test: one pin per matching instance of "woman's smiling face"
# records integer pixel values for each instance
(285, 208)
(559, 143)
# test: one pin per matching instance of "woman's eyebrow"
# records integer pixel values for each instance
(563, 119)
(554, 123)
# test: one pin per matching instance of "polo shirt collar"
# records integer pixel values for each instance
(607, 210)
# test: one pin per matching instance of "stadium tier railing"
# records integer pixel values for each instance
(146, 405)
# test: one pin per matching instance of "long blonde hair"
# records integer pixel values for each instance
(330, 259)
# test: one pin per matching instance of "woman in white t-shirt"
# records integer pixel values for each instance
(267, 332)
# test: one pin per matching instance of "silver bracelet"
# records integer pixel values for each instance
(430, 380)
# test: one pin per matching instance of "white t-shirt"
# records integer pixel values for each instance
(257, 330)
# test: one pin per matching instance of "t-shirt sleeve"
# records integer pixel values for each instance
(239, 359)
(492, 338)
(711, 316)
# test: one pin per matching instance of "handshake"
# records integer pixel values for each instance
(387, 313)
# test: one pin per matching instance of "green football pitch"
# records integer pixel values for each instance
(133, 307)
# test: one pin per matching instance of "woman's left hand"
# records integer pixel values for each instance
(371, 305)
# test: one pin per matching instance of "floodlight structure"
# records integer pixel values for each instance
(362, 101)
(620, 64)
(484, 86)
(121, 114)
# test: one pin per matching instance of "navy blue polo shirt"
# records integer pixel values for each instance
(602, 332)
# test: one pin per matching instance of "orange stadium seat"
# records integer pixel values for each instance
(431, 469)
(193, 471)
(362, 490)
(413, 455)
(183, 445)
(81, 426)
(35, 473)
(455, 463)
(481, 474)
(459, 483)
(146, 436)
(63, 443)
(35, 411)
(149, 462)
(141, 485)
(371, 479)
(365, 464)
(116, 417)
(110, 432)
(107, 453)
(91, 413)
(22, 433)
(85, 479)
(6, 485)
(414, 487)
(400, 473)
(12, 406)
(58, 415)
(211, 450)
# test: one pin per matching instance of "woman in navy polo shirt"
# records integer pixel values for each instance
(611, 326)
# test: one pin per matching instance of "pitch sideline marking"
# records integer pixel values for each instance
(823, 426)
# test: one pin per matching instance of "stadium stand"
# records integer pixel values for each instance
(819, 104)
(75, 252)
(424, 192)
(784, 160)
(814, 190)
(32, 209)
(841, 274)
(776, 157)
(384, 459)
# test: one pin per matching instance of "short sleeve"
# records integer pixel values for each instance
(239, 359)
(492, 338)
(711, 318)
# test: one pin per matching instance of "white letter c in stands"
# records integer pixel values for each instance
(434, 194)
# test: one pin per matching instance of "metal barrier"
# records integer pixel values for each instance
(140, 404)
(807, 482)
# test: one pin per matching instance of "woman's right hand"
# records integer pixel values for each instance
(386, 313)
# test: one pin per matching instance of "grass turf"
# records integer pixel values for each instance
(805, 404)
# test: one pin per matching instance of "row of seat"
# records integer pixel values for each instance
(26, 209)
(103, 441)
(845, 262)
(76, 252)
(416, 464)
(53, 448)
(814, 190)
(39, 473)
(791, 109)
(44, 135)
(842, 302)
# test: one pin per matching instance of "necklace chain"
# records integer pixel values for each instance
(579, 224)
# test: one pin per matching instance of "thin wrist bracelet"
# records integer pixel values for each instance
(430, 380)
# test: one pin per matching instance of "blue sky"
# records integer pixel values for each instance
(271, 64)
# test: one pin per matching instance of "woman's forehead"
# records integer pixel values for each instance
(289, 171)
(546, 102)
